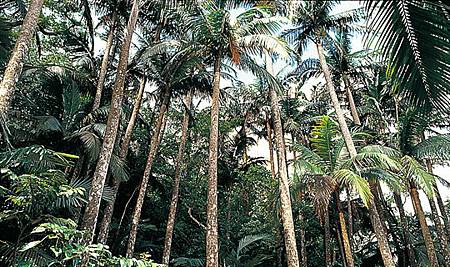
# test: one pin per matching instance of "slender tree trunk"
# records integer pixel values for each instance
(269, 139)
(381, 236)
(176, 182)
(350, 216)
(154, 143)
(15, 63)
(351, 102)
(101, 171)
(345, 240)
(405, 230)
(285, 199)
(423, 225)
(303, 252)
(442, 209)
(437, 223)
(379, 227)
(327, 239)
(108, 212)
(104, 66)
(212, 235)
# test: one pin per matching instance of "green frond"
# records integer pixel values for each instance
(414, 171)
(434, 148)
(354, 181)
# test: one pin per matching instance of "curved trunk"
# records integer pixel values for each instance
(101, 171)
(212, 235)
(154, 143)
(176, 183)
(351, 101)
(381, 236)
(104, 66)
(15, 63)
(423, 225)
(405, 230)
(285, 198)
(343, 227)
(108, 212)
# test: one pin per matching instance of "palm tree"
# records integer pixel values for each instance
(92, 209)
(236, 39)
(176, 180)
(313, 22)
(108, 212)
(15, 63)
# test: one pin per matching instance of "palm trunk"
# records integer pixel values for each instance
(350, 216)
(437, 223)
(379, 227)
(381, 236)
(303, 252)
(212, 235)
(442, 209)
(405, 229)
(101, 171)
(423, 225)
(15, 63)
(269, 139)
(107, 216)
(104, 66)
(351, 102)
(286, 207)
(343, 227)
(154, 143)
(176, 183)
(327, 239)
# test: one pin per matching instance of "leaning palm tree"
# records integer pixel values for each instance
(101, 170)
(236, 37)
(15, 63)
(313, 23)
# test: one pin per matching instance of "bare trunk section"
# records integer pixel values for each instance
(269, 139)
(154, 143)
(176, 182)
(107, 216)
(350, 216)
(423, 225)
(379, 227)
(101, 171)
(405, 230)
(443, 241)
(303, 241)
(381, 236)
(351, 101)
(327, 239)
(15, 63)
(285, 198)
(104, 66)
(343, 227)
(442, 209)
(212, 233)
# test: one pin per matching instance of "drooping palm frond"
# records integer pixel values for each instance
(414, 38)
(355, 182)
(434, 148)
(414, 171)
